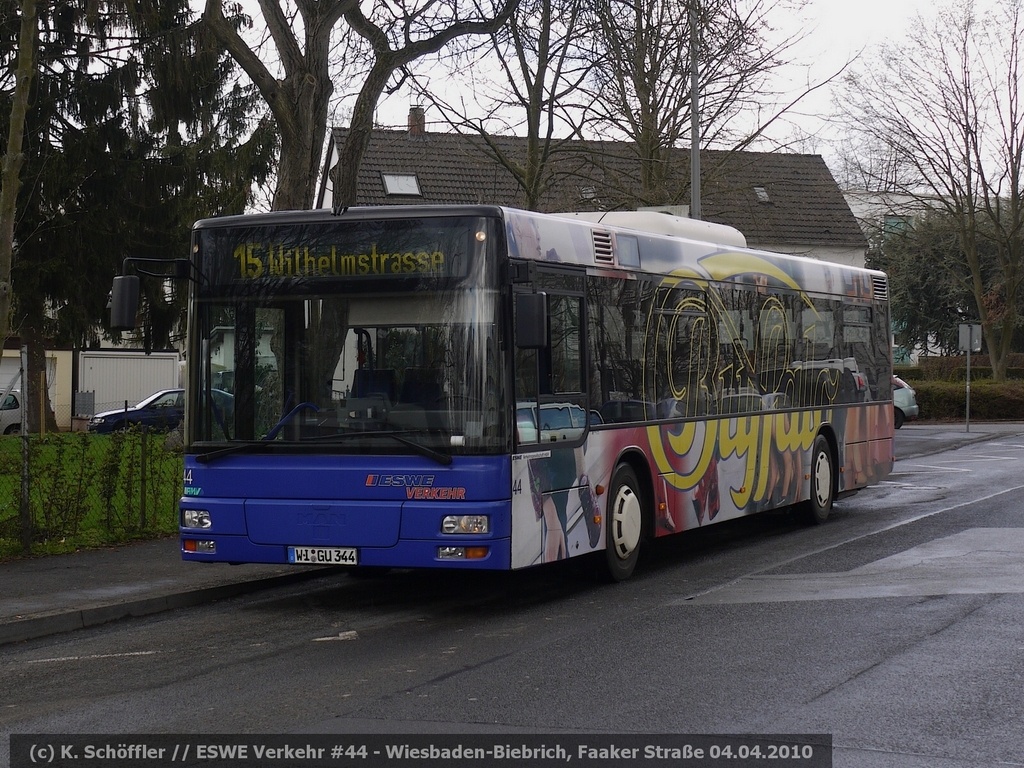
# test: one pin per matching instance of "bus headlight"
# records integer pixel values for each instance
(195, 518)
(462, 524)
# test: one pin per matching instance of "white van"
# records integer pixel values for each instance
(10, 413)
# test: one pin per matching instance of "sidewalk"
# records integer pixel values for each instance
(47, 595)
(921, 439)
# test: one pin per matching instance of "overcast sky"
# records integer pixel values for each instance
(844, 26)
(835, 32)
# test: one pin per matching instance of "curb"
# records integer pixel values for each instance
(67, 621)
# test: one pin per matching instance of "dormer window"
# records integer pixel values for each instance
(401, 184)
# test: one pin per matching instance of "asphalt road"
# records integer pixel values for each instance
(894, 627)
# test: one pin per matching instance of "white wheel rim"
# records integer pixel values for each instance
(626, 522)
(822, 479)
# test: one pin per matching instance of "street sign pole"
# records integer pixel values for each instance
(970, 341)
(968, 411)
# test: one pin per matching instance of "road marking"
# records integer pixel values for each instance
(911, 486)
(93, 657)
(940, 468)
(952, 466)
(349, 635)
(982, 457)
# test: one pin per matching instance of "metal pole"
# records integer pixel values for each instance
(25, 511)
(695, 212)
(143, 460)
(42, 404)
(969, 384)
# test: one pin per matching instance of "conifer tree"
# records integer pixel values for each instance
(136, 128)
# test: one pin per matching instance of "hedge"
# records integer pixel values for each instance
(990, 401)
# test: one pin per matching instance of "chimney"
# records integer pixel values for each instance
(417, 121)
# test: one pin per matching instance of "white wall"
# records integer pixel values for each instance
(116, 377)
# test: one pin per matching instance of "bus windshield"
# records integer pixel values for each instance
(348, 338)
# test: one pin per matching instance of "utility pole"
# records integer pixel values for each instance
(695, 212)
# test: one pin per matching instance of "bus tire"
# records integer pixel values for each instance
(625, 524)
(819, 505)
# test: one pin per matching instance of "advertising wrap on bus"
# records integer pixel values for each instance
(479, 387)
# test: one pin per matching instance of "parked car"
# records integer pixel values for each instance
(10, 413)
(162, 410)
(904, 402)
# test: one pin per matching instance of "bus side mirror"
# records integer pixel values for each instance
(124, 302)
(531, 320)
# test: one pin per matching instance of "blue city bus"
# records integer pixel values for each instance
(477, 387)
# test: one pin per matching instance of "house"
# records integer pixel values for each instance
(781, 202)
(881, 213)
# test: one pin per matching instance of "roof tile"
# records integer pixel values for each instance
(805, 206)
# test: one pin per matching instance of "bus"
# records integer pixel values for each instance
(479, 387)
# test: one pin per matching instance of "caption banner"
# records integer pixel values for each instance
(387, 751)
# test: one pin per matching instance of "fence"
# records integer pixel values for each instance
(60, 492)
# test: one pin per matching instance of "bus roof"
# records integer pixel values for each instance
(664, 224)
(698, 240)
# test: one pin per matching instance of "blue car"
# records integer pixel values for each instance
(163, 411)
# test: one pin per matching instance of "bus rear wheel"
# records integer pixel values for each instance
(817, 508)
(625, 524)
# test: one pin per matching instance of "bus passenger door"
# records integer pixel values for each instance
(552, 418)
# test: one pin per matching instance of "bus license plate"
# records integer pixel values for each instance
(323, 555)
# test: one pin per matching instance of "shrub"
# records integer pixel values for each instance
(88, 490)
(990, 401)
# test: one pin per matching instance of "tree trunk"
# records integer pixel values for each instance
(37, 396)
(14, 159)
(303, 125)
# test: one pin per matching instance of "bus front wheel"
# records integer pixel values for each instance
(819, 505)
(625, 524)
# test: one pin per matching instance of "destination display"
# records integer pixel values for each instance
(256, 260)
(382, 250)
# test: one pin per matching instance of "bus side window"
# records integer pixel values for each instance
(562, 367)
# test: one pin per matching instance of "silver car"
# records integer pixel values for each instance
(904, 402)
(10, 413)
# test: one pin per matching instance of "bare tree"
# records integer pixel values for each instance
(397, 40)
(564, 69)
(945, 106)
(642, 85)
(397, 34)
(537, 70)
(299, 98)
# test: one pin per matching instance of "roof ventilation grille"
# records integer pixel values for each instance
(603, 247)
(881, 287)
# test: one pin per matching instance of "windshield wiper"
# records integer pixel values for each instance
(439, 456)
(255, 445)
(289, 416)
